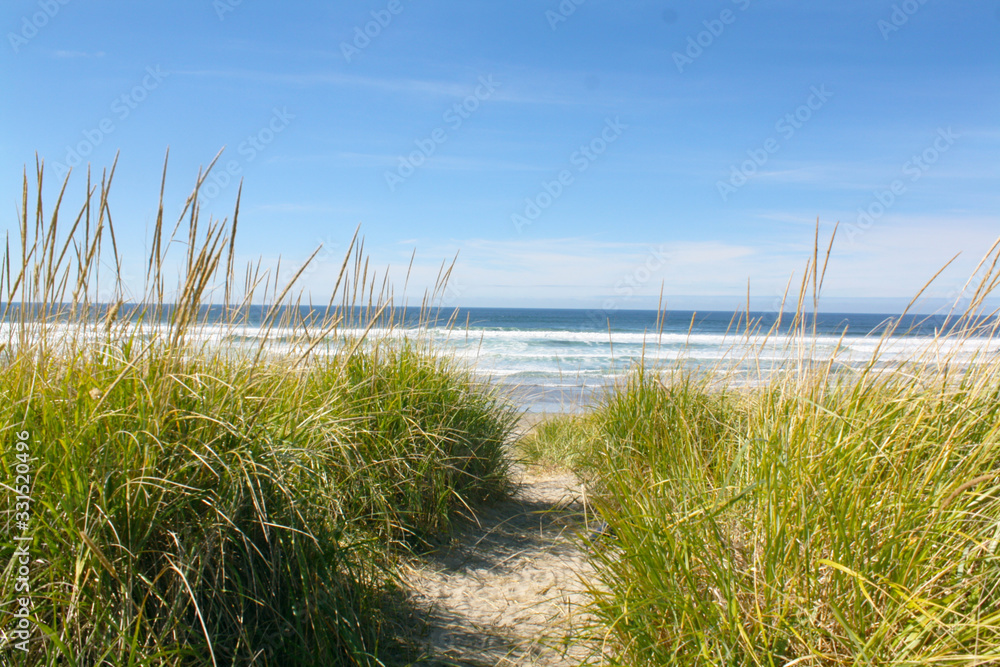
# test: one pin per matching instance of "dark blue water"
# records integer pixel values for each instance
(554, 359)
(562, 359)
(710, 322)
(539, 319)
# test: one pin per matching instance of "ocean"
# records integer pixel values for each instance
(563, 360)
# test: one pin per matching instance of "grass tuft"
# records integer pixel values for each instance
(816, 518)
(561, 441)
(202, 493)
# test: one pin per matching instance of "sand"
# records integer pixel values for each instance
(509, 589)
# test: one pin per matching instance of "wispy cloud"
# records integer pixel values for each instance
(345, 159)
(77, 54)
(303, 207)
(423, 86)
(511, 90)
(889, 263)
(576, 267)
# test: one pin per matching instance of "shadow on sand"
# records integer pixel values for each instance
(490, 594)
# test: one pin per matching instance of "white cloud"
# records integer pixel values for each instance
(77, 54)
(571, 268)
(893, 259)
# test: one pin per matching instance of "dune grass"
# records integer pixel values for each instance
(847, 525)
(242, 502)
(216, 503)
(820, 517)
(561, 441)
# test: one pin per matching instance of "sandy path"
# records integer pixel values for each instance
(507, 591)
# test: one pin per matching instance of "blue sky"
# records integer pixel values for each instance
(574, 154)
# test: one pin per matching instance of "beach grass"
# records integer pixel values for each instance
(557, 441)
(826, 515)
(194, 495)
(216, 503)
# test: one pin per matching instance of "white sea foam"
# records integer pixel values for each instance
(553, 359)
